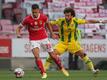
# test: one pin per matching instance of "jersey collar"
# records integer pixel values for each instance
(37, 17)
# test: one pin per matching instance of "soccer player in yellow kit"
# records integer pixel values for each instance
(68, 27)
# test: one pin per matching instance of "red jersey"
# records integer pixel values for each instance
(36, 26)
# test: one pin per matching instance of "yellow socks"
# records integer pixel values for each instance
(88, 63)
(48, 63)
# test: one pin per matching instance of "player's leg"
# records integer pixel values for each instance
(48, 63)
(49, 60)
(55, 58)
(39, 63)
(77, 50)
(35, 49)
(87, 61)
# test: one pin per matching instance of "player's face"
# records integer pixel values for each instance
(68, 16)
(35, 12)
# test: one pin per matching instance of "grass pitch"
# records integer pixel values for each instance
(54, 75)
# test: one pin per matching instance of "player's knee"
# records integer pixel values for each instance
(82, 55)
(49, 60)
(37, 58)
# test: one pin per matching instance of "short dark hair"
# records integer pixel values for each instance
(35, 6)
(69, 9)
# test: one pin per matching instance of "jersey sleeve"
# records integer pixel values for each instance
(45, 18)
(56, 22)
(24, 22)
(80, 21)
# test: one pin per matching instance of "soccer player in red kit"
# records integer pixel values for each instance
(39, 38)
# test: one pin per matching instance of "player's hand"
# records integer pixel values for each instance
(19, 36)
(54, 36)
(105, 21)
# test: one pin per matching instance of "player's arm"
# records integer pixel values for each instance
(104, 21)
(49, 26)
(18, 31)
(84, 21)
(23, 24)
(96, 21)
(93, 21)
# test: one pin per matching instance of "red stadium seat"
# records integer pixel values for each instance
(5, 22)
(7, 28)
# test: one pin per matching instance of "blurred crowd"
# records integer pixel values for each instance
(13, 12)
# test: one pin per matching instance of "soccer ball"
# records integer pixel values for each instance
(19, 72)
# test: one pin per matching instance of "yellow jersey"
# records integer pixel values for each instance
(68, 31)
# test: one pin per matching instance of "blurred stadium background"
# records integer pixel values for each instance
(16, 52)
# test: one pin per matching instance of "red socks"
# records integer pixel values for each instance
(40, 66)
(57, 61)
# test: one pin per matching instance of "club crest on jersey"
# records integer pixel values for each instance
(40, 22)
